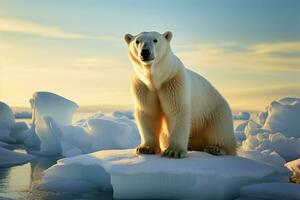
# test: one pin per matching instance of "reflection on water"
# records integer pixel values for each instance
(20, 182)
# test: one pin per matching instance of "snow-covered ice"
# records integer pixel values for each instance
(10, 158)
(294, 166)
(132, 176)
(241, 116)
(270, 191)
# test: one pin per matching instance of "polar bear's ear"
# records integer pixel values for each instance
(128, 38)
(168, 35)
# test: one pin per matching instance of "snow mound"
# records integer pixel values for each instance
(294, 166)
(46, 104)
(242, 116)
(284, 118)
(276, 129)
(10, 158)
(271, 191)
(7, 118)
(134, 176)
(281, 116)
(288, 148)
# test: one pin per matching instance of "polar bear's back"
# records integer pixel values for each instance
(204, 97)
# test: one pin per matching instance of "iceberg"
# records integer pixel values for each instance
(7, 122)
(18, 132)
(131, 176)
(46, 104)
(31, 140)
(48, 110)
(7, 118)
(10, 158)
(5, 136)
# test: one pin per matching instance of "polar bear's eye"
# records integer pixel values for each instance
(137, 42)
(155, 40)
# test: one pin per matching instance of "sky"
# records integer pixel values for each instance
(249, 50)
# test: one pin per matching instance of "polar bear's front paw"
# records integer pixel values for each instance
(214, 150)
(145, 149)
(174, 153)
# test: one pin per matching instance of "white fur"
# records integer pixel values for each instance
(167, 94)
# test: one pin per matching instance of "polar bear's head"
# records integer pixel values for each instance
(148, 47)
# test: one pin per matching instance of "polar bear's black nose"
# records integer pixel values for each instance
(145, 54)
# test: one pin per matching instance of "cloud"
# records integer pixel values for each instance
(262, 57)
(257, 98)
(26, 27)
(97, 61)
(283, 47)
(275, 91)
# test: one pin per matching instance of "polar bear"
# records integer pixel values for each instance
(176, 109)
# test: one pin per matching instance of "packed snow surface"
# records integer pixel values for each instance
(132, 176)
(270, 191)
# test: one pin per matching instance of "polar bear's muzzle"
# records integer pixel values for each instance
(146, 55)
